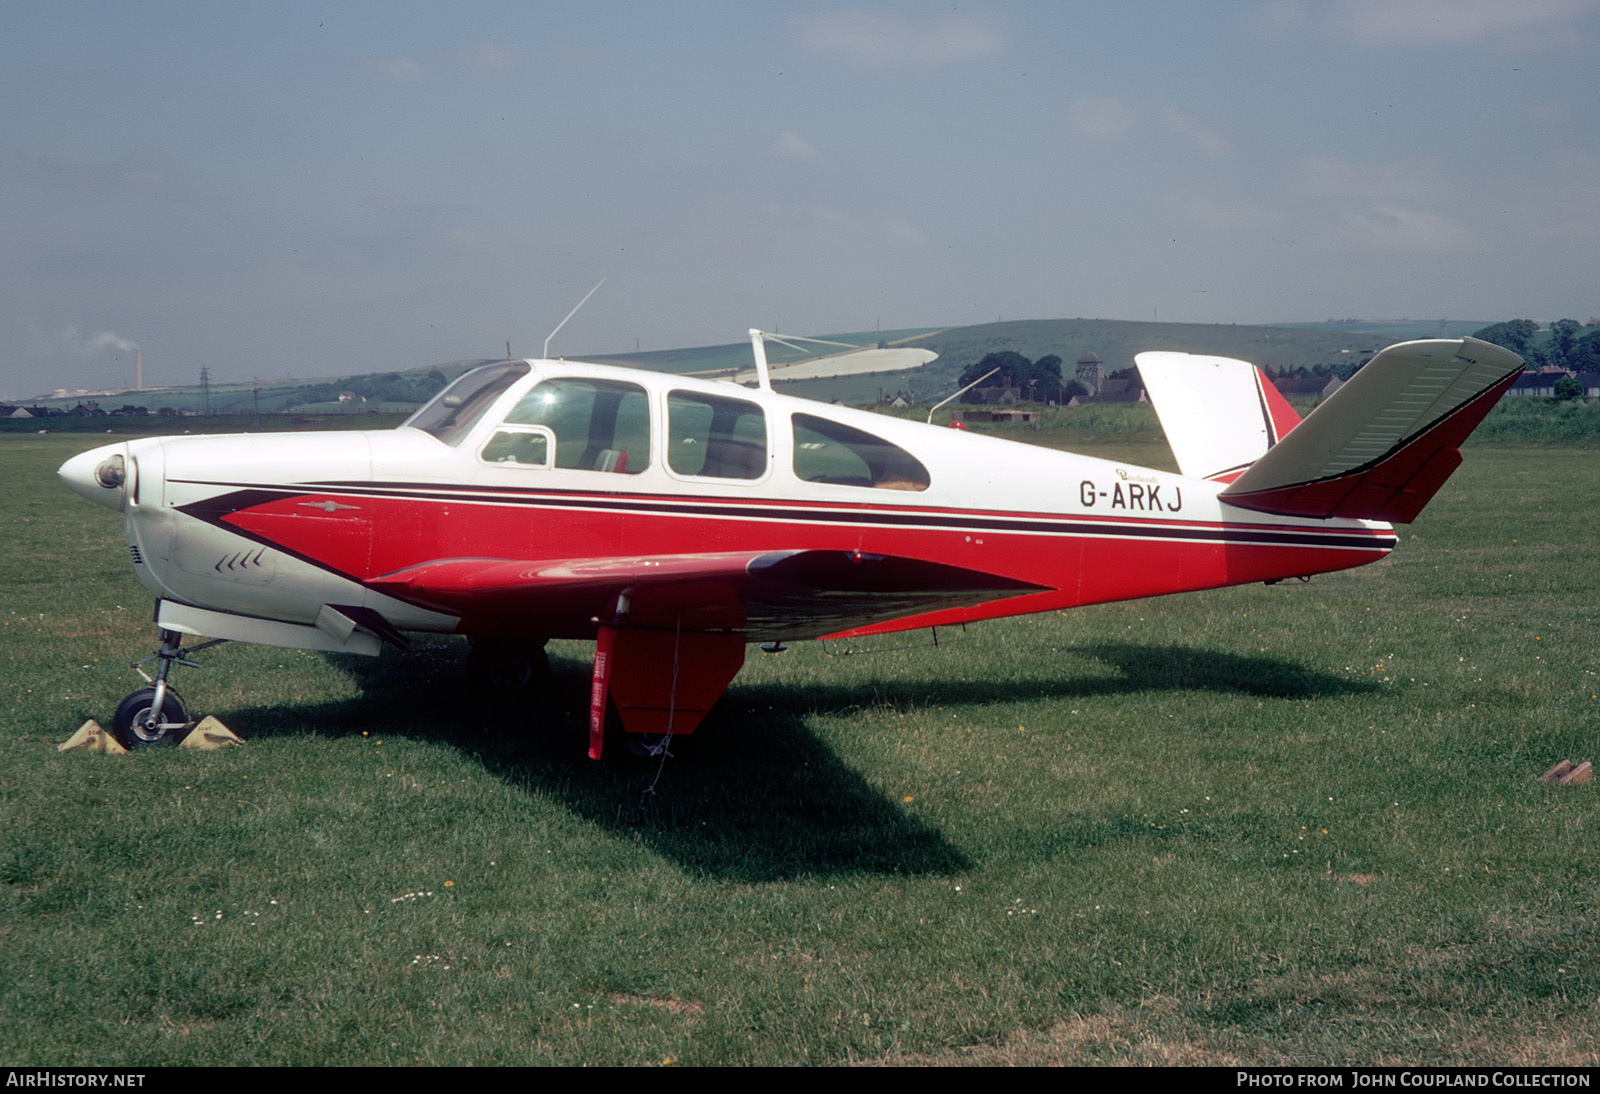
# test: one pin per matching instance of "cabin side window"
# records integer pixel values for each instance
(716, 437)
(592, 425)
(520, 445)
(828, 452)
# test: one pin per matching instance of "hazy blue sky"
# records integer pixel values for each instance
(297, 188)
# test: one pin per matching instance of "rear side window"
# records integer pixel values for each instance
(825, 451)
(716, 437)
(597, 425)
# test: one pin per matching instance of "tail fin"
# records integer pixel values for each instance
(1219, 415)
(1381, 446)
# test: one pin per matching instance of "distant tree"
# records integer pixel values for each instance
(1563, 340)
(1586, 354)
(1047, 383)
(1515, 335)
(1349, 367)
(1568, 388)
(1012, 370)
(1074, 388)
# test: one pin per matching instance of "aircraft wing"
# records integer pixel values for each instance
(764, 595)
(860, 362)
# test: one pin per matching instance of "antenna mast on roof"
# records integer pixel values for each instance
(570, 314)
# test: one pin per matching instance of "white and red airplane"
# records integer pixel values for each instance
(674, 520)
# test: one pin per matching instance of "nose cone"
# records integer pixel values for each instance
(100, 474)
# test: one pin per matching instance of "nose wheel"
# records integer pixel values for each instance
(143, 719)
(156, 713)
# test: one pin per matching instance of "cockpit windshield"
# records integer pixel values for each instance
(455, 410)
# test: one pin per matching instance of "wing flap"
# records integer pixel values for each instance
(765, 594)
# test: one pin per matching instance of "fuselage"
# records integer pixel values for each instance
(549, 461)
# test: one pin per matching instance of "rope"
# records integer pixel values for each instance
(661, 749)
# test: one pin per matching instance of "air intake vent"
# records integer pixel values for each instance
(133, 553)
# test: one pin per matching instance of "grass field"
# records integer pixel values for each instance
(1291, 824)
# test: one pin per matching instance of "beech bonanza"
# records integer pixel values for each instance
(674, 520)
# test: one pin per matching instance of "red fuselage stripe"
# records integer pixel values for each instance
(378, 531)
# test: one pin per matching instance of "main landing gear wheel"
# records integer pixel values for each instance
(508, 670)
(137, 723)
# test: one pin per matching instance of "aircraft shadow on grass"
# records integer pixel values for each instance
(754, 795)
(1140, 668)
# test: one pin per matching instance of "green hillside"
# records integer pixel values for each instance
(1114, 341)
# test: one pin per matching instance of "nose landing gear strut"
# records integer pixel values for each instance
(154, 714)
